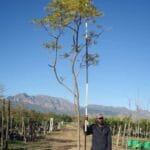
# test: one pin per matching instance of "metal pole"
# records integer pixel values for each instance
(87, 86)
(87, 76)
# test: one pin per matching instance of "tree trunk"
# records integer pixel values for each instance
(128, 132)
(123, 136)
(7, 128)
(44, 126)
(2, 128)
(11, 122)
(146, 134)
(23, 130)
(76, 95)
(9, 118)
(118, 136)
(78, 116)
(78, 130)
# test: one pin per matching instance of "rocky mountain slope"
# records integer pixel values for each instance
(45, 103)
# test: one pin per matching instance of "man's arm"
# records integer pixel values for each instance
(89, 129)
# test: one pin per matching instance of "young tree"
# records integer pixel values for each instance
(66, 18)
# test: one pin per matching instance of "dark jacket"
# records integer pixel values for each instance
(101, 139)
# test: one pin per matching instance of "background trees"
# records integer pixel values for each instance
(34, 121)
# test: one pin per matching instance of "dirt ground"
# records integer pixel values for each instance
(64, 139)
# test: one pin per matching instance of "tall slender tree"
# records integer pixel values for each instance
(66, 18)
(3, 120)
(2, 89)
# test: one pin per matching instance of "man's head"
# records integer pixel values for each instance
(100, 119)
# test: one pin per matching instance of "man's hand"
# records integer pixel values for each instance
(86, 117)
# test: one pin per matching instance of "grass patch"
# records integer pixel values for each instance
(17, 145)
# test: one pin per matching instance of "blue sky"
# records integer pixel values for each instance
(124, 48)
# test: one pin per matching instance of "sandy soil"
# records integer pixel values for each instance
(61, 140)
(64, 139)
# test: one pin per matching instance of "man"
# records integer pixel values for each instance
(101, 139)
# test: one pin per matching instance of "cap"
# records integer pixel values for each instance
(99, 115)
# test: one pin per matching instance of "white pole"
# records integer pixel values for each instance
(51, 125)
(87, 86)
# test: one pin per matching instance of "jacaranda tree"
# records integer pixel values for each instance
(64, 22)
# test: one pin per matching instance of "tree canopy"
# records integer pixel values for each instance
(61, 13)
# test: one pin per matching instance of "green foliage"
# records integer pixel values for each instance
(93, 59)
(52, 45)
(16, 145)
(70, 14)
(34, 117)
(63, 12)
(116, 121)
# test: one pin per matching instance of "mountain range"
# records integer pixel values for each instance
(44, 103)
